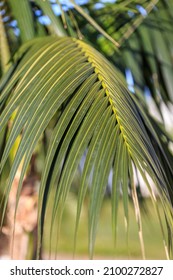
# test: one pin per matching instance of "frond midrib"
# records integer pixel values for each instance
(86, 52)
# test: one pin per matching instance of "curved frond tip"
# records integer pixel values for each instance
(95, 113)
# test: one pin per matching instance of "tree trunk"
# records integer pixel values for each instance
(18, 233)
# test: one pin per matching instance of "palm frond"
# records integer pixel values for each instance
(145, 39)
(96, 113)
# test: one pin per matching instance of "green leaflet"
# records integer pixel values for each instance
(22, 12)
(101, 171)
(55, 21)
(99, 134)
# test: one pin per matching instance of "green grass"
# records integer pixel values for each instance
(104, 247)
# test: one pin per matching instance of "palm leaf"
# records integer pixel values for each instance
(95, 113)
(145, 40)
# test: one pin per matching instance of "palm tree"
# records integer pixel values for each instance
(62, 97)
